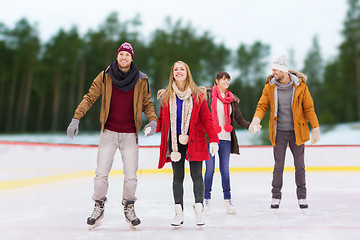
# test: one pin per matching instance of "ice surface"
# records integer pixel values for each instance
(59, 210)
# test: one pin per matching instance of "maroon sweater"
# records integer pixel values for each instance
(121, 114)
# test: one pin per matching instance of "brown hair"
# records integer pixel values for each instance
(168, 93)
(221, 74)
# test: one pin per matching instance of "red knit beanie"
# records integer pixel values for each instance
(126, 47)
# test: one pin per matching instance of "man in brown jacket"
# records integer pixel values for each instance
(125, 95)
(291, 108)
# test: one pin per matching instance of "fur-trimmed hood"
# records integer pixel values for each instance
(295, 76)
(160, 93)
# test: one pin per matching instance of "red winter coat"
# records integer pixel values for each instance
(200, 122)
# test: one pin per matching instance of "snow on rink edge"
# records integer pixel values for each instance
(26, 164)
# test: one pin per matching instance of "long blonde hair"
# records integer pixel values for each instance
(168, 93)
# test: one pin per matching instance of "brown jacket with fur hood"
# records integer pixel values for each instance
(302, 107)
(102, 84)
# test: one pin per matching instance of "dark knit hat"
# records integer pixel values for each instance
(126, 47)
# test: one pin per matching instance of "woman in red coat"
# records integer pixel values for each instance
(184, 118)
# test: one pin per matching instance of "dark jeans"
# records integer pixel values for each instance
(282, 139)
(224, 157)
(179, 174)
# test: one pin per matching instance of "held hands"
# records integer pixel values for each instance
(315, 135)
(255, 125)
(213, 148)
(150, 128)
(73, 128)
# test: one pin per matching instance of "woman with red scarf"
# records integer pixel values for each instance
(225, 111)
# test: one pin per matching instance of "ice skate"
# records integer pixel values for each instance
(179, 216)
(199, 209)
(206, 205)
(97, 215)
(130, 215)
(230, 209)
(275, 203)
(303, 204)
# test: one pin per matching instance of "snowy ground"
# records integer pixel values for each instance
(59, 210)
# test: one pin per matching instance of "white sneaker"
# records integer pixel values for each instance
(179, 216)
(198, 207)
(206, 205)
(230, 209)
(303, 203)
(275, 203)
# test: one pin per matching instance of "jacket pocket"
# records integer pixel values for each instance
(304, 130)
(200, 141)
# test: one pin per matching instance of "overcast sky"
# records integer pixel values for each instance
(283, 24)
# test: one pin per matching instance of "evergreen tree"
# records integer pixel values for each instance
(314, 69)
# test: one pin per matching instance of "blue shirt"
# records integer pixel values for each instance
(179, 106)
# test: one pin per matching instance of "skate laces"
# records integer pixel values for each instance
(98, 210)
(129, 211)
(228, 203)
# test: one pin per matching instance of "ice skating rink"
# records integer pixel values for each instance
(57, 210)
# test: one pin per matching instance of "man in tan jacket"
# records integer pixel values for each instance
(291, 109)
(125, 95)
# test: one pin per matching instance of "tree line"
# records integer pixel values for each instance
(42, 83)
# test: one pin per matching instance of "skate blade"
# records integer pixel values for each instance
(134, 227)
(97, 224)
(305, 211)
(137, 227)
(231, 213)
(200, 226)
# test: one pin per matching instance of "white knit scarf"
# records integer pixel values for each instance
(185, 120)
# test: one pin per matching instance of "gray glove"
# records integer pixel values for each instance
(150, 128)
(73, 128)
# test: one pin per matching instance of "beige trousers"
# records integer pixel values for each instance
(127, 143)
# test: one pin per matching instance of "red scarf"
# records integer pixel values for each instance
(226, 101)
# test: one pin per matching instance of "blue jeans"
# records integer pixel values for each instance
(224, 157)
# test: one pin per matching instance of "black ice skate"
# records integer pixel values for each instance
(130, 215)
(303, 204)
(97, 215)
(275, 203)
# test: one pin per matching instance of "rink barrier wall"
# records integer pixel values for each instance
(24, 164)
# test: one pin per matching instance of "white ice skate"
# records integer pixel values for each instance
(230, 209)
(199, 209)
(206, 205)
(179, 216)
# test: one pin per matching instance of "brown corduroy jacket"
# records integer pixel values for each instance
(102, 84)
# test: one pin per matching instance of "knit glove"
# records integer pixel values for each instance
(315, 135)
(214, 148)
(255, 125)
(73, 128)
(150, 128)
